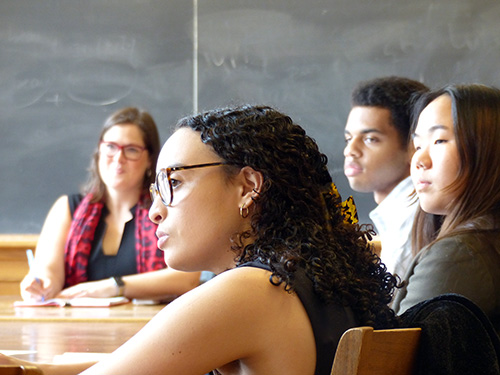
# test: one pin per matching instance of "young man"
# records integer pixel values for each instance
(377, 160)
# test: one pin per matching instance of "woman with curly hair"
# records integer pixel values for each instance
(245, 193)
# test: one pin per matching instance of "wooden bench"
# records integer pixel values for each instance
(13, 261)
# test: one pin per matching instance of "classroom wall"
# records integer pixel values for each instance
(66, 65)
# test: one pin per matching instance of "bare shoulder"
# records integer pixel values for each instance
(244, 283)
(238, 319)
(58, 218)
(60, 208)
(238, 292)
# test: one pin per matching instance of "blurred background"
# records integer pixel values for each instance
(65, 65)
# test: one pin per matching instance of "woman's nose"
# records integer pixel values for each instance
(421, 159)
(157, 212)
(120, 156)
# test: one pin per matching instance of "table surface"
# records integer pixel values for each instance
(129, 312)
(40, 333)
(41, 341)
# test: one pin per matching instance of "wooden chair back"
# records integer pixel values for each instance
(365, 351)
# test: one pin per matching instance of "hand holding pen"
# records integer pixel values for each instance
(31, 262)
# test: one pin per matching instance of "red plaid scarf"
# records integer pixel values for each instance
(81, 236)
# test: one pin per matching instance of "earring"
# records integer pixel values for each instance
(256, 192)
(244, 211)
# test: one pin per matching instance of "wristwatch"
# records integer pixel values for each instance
(120, 284)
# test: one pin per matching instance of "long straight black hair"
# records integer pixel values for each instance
(476, 120)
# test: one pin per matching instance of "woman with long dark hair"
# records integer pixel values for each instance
(456, 173)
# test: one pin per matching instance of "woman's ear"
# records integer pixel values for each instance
(251, 182)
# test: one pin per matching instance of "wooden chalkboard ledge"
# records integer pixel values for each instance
(13, 261)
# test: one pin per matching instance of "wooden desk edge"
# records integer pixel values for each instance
(18, 240)
(74, 320)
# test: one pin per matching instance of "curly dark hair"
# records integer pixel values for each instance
(396, 94)
(298, 222)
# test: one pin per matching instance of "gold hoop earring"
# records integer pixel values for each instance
(244, 211)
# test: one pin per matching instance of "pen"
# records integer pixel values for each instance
(31, 261)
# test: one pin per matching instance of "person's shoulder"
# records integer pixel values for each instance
(243, 286)
(61, 203)
(248, 279)
(245, 292)
(480, 239)
(471, 241)
(460, 247)
(443, 248)
(240, 311)
(73, 200)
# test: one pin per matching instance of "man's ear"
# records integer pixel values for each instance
(251, 182)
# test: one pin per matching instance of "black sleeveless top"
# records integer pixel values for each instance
(101, 266)
(329, 321)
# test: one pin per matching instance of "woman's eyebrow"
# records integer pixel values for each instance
(432, 129)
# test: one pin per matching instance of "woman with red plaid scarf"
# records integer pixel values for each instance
(101, 243)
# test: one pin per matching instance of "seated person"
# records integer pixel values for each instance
(377, 160)
(102, 243)
(245, 193)
(456, 172)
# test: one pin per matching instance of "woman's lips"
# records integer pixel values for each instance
(422, 185)
(162, 239)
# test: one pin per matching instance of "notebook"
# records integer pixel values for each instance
(75, 302)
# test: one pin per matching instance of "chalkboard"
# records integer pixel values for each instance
(66, 65)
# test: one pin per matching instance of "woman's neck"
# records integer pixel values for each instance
(121, 202)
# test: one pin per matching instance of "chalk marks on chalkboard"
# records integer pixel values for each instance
(99, 82)
(255, 37)
(23, 82)
(91, 81)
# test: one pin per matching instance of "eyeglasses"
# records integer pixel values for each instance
(163, 184)
(131, 152)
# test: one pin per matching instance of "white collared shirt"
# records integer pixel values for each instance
(393, 219)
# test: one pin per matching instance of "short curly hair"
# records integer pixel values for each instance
(393, 93)
(298, 222)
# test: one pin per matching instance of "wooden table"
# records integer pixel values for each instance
(123, 313)
(45, 340)
(45, 332)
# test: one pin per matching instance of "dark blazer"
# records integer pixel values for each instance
(457, 337)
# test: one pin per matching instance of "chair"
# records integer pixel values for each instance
(363, 351)
(19, 370)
